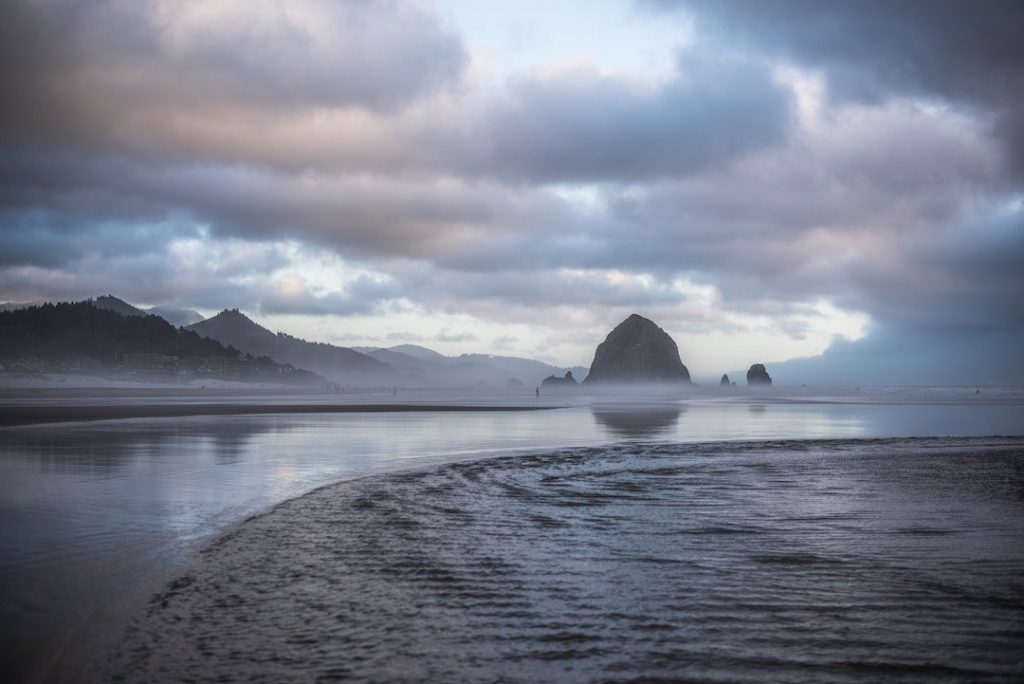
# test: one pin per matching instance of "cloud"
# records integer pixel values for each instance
(349, 86)
(290, 293)
(404, 336)
(581, 126)
(851, 197)
(503, 342)
(137, 58)
(805, 165)
(189, 271)
(969, 54)
(461, 336)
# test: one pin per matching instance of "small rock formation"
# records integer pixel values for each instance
(757, 375)
(637, 350)
(725, 380)
(567, 379)
(513, 382)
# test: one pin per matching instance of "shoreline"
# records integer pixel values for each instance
(23, 415)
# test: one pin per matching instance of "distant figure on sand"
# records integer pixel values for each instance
(537, 390)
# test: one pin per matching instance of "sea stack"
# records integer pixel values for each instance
(725, 380)
(757, 375)
(567, 379)
(637, 350)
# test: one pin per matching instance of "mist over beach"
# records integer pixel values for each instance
(457, 340)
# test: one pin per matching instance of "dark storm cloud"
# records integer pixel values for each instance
(49, 239)
(969, 53)
(973, 275)
(580, 126)
(394, 216)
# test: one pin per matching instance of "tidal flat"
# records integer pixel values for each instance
(817, 560)
(98, 517)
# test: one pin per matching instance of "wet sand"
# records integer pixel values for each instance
(97, 514)
(62, 413)
(788, 561)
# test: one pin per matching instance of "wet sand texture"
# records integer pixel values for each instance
(777, 561)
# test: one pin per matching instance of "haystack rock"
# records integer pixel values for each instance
(725, 381)
(757, 375)
(637, 350)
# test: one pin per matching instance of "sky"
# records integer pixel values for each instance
(840, 183)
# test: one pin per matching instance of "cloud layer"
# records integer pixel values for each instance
(804, 168)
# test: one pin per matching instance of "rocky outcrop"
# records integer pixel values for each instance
(725, 380)
(757, 375)
(566, 379)
(637, 350)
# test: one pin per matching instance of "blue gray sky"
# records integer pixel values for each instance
(766, 180)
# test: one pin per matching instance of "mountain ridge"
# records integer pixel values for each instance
(339, 364)
(401, 364)
(85, 338)
(176, 316)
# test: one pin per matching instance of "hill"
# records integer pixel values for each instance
(406, 364)
(406, 350)
(418, 351)
(112, 303)
(83, 336)
(338, 364)
(432, 368)
(173, 315)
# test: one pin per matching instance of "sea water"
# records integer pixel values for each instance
(788, 561)
(95, 516)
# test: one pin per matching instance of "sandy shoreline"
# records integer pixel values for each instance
(11, 416)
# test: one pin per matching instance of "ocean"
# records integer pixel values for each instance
(752, 538)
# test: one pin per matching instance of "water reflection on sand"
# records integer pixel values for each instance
(92, 514)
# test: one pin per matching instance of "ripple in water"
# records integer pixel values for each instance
(784, 561)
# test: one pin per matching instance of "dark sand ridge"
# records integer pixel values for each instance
(52, 413)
